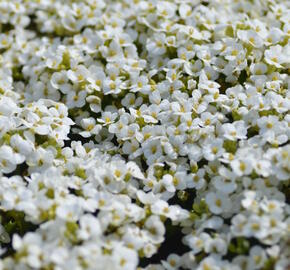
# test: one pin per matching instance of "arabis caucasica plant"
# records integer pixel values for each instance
(144, 134)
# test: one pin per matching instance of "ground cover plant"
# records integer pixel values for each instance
(144, 134)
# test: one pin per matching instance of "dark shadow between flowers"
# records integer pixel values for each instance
(173, 235)
(14, 223)
(172, 244)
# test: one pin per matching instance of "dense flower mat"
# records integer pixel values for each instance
(144, 134)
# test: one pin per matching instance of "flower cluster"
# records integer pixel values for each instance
(124, 121)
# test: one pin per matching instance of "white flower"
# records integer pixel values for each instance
(5, 41)
(156, 46)
(185, 10)
(209, 263)
(107, 118)
(242, 166)
(217, 202)
(59, 80)
(69, 211)
(167, 181)
(216, 245)
(225, 183)
(251, 37)
(134, 170)
(9, 159)
(89, 227)
(20, 145)
(155, 229)
(173, 261)
(76, 99)
(96, 77)
(130, 101)
(112, 52)
(256, 226)
(268, 125)
(152, 151)
(235, 131)
(262, 167)
(238, 225)
(258, 256)
(213, 149)
(197, 243)
(125, 258)
(197, 180)
(166, 9)
(32, 243)
(90, 127)
(275, 56)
